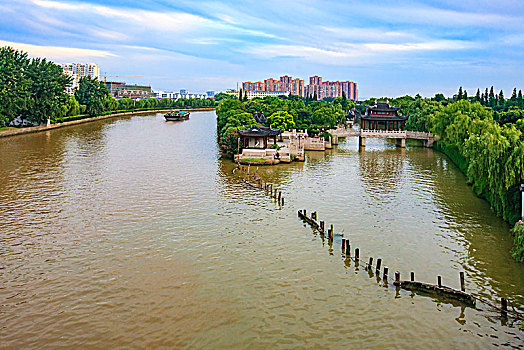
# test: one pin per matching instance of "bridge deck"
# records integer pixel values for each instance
(394, 134)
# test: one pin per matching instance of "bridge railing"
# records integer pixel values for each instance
(419, 135)
(383, 133)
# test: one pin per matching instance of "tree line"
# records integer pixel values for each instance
(34, 89)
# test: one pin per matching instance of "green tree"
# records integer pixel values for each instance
(125, 103)
(14, 83)
(70, 107)
(47, 86)
(477, 96)
(492, 99)
(229, 143)
(240, 95)
(439, 97)
(325, 116)
(460, 96)
(501, 99)
(514, 95)
(92, 93)
(221, 96)
(282, 120)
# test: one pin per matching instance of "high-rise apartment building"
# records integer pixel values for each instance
(296, 86)
(284, 84)
(323, 89)
(79, 70)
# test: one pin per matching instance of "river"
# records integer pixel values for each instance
(133, 232)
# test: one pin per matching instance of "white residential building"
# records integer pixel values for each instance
(177, 95)
(262, 94)
(78, 71)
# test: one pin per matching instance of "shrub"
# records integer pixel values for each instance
(518, 247)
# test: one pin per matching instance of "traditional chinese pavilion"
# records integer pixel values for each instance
(382, 116)
(257, 136)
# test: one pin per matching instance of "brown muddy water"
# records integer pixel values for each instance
(133, 233)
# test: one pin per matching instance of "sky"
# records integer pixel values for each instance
(389, 48)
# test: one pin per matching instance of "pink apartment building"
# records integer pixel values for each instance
(297, 87)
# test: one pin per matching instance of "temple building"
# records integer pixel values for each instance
(256, 137)
(382, 116)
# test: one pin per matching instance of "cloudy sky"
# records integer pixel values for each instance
(387, 47)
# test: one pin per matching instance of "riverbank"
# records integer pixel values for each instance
(40, 128)
(462, 164)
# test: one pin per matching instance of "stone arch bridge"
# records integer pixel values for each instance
(399, 135)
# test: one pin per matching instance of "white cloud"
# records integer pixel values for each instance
(57, 52)
(366, 34)
(428, 15)
(343, 53)
(162, 22)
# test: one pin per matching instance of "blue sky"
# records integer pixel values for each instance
(387, 47)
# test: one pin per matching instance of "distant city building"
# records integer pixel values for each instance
(262, 94)
(210, 93)
(176, 95)
(79, 70)
(121, 89)
(183, 91)
(296, 87)
(285, 83)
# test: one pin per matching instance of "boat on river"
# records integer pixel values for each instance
(176, 116)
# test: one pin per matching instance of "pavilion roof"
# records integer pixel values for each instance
(256, 130)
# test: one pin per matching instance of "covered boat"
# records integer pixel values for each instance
(175, 116)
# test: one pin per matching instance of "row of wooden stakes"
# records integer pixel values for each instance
(268, 188)
(411, 285)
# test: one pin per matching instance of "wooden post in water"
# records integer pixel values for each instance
(439, 280)
(305, 214)
(348, 249)
(462, 285)
(385, 275)
(504, 306)
(279, 195)
(331, 232)
(282, 201)
(314, 215)
(379, 262)
(357, 254)
(412, 276)
(322, 226)
(370, 263)
(397, 277)
(343, 245)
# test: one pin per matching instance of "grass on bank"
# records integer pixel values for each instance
(258, 160)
